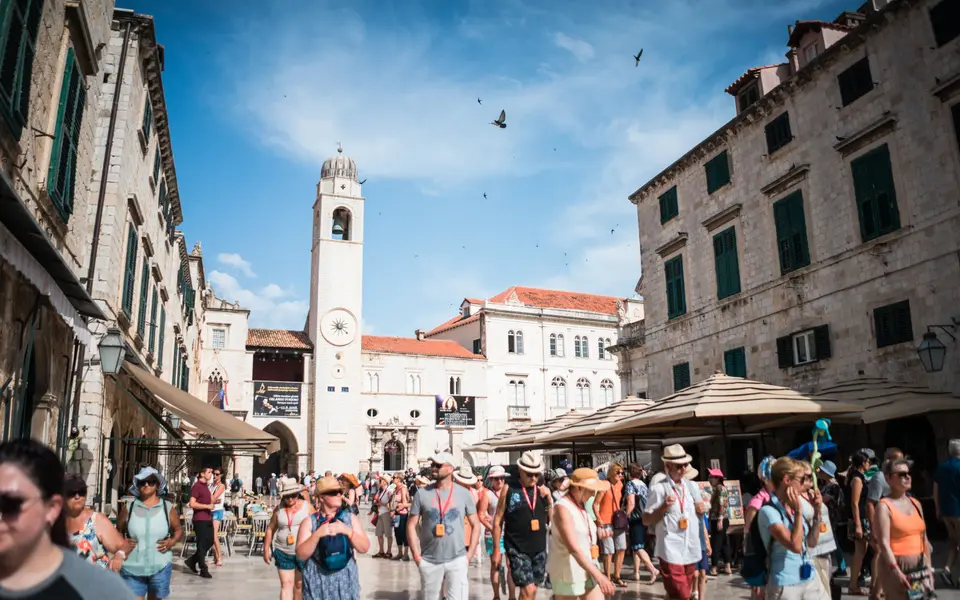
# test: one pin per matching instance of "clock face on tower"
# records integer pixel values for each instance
(338, 327)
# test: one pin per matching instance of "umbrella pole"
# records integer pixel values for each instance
(723, 433)
(575, 455)
(633, 438)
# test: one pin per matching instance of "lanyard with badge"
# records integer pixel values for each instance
(534, 523)
(439, 530)
(682, 523)
(806, 569)
(594, 548)
(290, 537)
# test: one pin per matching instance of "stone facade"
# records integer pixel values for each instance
(904, 106)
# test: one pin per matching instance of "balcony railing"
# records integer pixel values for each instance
(518, 413)
(631, 334)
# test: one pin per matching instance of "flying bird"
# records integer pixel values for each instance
(502, 121)
(611, 232)
(484, 195)
(363, 182)
(478, 102)
(637, 57)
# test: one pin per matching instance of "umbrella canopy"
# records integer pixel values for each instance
(529, 434)
(485, 445)
(881, 399)
(585, 429)
(721, 401)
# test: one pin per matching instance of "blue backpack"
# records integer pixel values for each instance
(333, 552)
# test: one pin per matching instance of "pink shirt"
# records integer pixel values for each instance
(758, 499)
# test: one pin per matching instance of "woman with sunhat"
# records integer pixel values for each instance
(327, 543)
(349, 484)
(153, 527)
(719, 522)
(573, 544)
(280, 540)
(465, 478)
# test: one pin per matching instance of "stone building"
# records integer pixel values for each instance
(52, 54)
(815, 237)
(144, 278)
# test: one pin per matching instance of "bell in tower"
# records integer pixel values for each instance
(341, 225)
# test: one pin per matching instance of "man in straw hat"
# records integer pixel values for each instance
(380, 509)
(438, 544)
(526, 513)
(674, 507)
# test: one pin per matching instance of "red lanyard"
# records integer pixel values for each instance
(289, 518)
(586, 520)
(681, 495)
(443, 507)
(531, 503)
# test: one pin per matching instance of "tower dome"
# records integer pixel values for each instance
(339, 166)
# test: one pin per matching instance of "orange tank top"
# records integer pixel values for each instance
(906, 531)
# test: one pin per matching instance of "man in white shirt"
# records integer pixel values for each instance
(674, 507)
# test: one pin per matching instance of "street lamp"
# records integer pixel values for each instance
(112, 352)
(931, 350)
(173, 420)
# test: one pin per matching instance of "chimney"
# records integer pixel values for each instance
(420, 335)
(794, 59)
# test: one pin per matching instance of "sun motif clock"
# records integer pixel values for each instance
(338, 327)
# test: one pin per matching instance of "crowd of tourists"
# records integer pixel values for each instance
(566, 529)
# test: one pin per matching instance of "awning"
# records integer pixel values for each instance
(31, 238)
(206, 423)
(882, 399)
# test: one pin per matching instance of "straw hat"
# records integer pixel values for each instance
(589, 480)
(383, 477)
(496, 471)
(421, 481)
(530, 463)
(464, 476)
(442, 458)
(351, 479)
(328, 483)
(675, 454)
(288, 487)
(691, 474)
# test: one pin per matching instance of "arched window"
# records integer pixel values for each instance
(375, 387)
(558, 389)
(606, 388)
(340, 230)
(519, 342)
(517, 392)
(553, 344)
(601, 349)
(577, 350)
(607, 344)
(413, 383)
(453, 385)
(585, 347)
(560, 350)
(512, 342)
(416, 384)
(583, 393)
(458, 386)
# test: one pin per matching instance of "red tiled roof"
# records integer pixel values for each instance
(399, 345)
(454, 322)
(278, 338)
(803, 27)
(474, 300)
(556, 299)
(733, 87)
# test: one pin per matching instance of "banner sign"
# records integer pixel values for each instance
(279, 399)
(456, 411)
(734, 498)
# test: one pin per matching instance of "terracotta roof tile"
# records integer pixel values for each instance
(556, 299)
(802, 27)
(733, 87)
(474, 300)
(278, 338)
(400, 345)
(457, 321)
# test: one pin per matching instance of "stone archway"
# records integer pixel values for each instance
(281, 461)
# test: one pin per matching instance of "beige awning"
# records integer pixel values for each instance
(529, 434)
(722, 403)
(585, 429)
(212, 425)
(485, 445)
(882, 399)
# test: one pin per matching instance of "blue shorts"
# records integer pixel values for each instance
(704, 564)
(287, 562)
(488, 546)
(157, 584)
(218, 515)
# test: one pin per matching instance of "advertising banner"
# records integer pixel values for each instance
(456, 411)
(278, 399)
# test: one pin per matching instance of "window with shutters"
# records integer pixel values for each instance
(945, 18)
(560, 345)
(876, 196)
(553, 344)
(855, 81)
(727, 265)
(477, 348)
(804, 347)
(18, 38)
(577, 347)
(61, 177)
(144, 288)
(748, 96)
(585, 347)
(778, 133)
(681, 376)
(601, 349)
(152, 337)
(735, 362)
(673, 274)
(163, 327)
(130, 271)
(668, 205)
(718, 172)
(893, 324)
(156, 166)
(147, 119)
(791, 233)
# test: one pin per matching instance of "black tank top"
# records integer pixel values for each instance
(516, 521)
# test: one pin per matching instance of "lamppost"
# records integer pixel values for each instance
(112, 352)
(931, 350)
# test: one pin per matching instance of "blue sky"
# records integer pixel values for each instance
(259, 97)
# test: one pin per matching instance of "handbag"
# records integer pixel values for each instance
(620, 520)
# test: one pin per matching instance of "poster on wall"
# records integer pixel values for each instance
(734, 499)
(456, 411)
(278, 399)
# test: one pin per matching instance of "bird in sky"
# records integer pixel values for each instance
(484, 195)
(637, 57)
(363, 182)
(502, 121)
(478, 102)
(611, 232)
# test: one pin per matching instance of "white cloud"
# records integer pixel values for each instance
(579, 48)
(234, 260)
(267, 306)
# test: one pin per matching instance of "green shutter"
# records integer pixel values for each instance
(668, 205)
(162, 200)
(875, 193)
(945, 18)
(893, 324)
(153, 321)
(726, 262)
(681, 376)
(21, 22)
(791, 233)
(147, 117)
(63, 161)
(735, 362)
(718, 172)
(778, 133)
(130, 271)
(176, 365)
(163, 328)
(156, 166)
(855, 81)
(673, 273)
(144, 286)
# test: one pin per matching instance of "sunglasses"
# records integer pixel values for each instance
(145, 482)
(902, 474)
(331, 493)
(78, 494)
(11, 506)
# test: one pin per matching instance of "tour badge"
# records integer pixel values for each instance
(290, 539)
(594, 552)
(823, 527)
(682, 523)
(438, 531)
(806, 570)
(534, 525)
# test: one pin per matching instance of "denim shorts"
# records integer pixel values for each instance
(218, 515)
(157, 584)
(287, 562)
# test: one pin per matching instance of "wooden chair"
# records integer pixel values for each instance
(259, 532)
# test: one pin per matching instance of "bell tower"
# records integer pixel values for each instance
(336, 305)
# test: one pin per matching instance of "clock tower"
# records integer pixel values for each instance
(336, 304)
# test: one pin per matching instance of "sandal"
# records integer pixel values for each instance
(856, 592)
(378, 555)
(619, 582)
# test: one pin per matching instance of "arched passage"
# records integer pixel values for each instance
(393, 456)
(282, 461)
